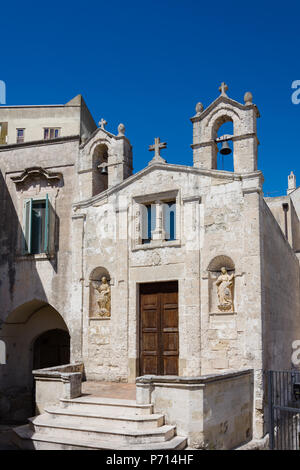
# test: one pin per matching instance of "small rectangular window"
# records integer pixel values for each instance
(20, 135)
(38, 226)
(51, 133)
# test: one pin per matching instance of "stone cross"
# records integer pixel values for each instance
(102, 123)
(223, 88)
(158, 145)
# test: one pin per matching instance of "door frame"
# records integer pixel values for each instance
(139, 322)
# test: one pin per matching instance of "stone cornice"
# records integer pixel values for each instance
(176, 380)
(233, 139)
(38, 143)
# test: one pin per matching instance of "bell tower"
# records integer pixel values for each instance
(105, 160)
(207, 122)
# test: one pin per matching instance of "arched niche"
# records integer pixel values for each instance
(100, 293)
(2, 352)
(99, 180)
(221, 272)
(220, 261)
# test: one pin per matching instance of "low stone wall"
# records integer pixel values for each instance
(54, 383)
(213, 411)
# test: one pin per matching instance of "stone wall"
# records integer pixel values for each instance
(54, 383)
(280, 294)
(214, 411)
(34, 289)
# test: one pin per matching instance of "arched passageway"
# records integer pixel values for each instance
(35, 336)
(51, 348)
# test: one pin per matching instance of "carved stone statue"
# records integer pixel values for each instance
(104, 298)
(225, 290)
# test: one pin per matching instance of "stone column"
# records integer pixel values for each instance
(159, 233)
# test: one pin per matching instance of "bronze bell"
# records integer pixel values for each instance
(225, 150)
(104, 171)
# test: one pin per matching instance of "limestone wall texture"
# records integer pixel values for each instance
(213, 411)
(280, 295)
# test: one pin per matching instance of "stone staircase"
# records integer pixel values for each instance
(94, 423)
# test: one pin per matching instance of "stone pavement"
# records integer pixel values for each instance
(120, 390)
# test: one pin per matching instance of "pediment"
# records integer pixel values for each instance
(37, 174)
(226, 101)
(98, 135)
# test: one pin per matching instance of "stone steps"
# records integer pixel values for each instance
(80, 429)
(127, 407)
(26, 439)
(102, 418)
(98, 423)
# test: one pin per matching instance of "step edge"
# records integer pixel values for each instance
(96, 445)
(102, 429)
(139, 418)
(106, 401)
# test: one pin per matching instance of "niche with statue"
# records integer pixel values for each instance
(221, 279)
(100, 294)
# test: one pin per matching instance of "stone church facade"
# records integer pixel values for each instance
(176, 270)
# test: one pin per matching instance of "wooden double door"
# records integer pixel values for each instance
(159, 336)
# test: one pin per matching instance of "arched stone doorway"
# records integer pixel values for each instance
(51, 348)
(35, 336)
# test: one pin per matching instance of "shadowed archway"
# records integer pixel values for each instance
(35, 336)
(51, 348)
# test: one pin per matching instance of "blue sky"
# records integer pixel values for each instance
(147, 64)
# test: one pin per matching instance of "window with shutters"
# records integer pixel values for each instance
(51, 133)
(148, 221)
(157, 220)
(39, 225)
(169, 219)
(20, 136)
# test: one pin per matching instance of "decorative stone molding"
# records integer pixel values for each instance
(219, 261)
(37, 173)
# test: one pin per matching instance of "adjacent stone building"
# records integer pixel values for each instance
(175, 270)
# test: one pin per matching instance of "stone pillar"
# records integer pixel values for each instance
(159, 232)
(119, 158)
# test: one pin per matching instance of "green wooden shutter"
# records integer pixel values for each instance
(49, 237)
(47, 225)
(27, 226)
